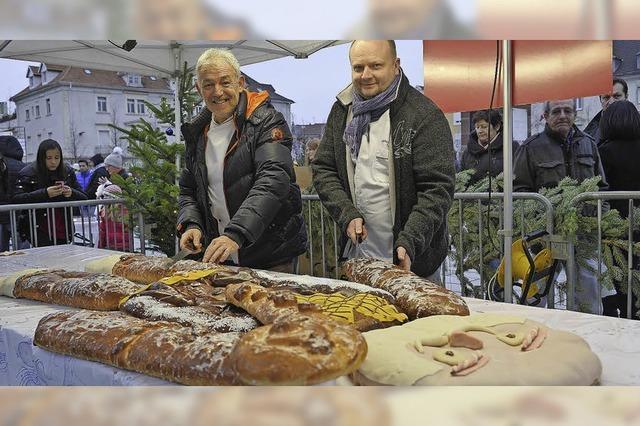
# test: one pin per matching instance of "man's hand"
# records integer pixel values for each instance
(404, 261)
(191, 240)
(356, 231)
(220, 249)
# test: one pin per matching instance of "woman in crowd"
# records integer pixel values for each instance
(48, 179)
(484, 149)
(620, 151)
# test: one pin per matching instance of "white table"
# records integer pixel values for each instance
(615, 341)
(22, 363)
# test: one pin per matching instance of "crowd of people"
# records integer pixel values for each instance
(607, 147)
(51, 179)
(384, 169)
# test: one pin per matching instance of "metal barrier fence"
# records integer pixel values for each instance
(600, 197)
(312, 208)
(479, 198)
(97, 223)
(325, 232)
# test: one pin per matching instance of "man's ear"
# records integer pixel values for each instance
(397, 66)
(198, 88)
(241, 81)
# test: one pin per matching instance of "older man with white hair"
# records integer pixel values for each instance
(238, 194)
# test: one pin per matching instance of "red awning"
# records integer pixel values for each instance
(459, 75)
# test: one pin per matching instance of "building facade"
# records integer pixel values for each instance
(77, 106)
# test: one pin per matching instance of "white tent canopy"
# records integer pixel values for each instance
(161, 58)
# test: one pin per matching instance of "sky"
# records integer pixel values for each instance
(265, 19)
(312, 83)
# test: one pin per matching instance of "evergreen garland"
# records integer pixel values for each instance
(578, 224)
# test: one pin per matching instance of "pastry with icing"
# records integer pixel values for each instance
(415, 296)
(499, 350)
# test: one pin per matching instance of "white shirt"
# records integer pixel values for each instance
(218, 139)
(371, 190)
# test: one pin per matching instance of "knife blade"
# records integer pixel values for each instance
(180, 255)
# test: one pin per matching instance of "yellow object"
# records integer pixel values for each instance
(188, 276)
(342, 308)
(520, 267)
(175, 278)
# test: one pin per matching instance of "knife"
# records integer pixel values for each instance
(180, 255)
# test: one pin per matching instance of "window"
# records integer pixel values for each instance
(104, 138)
(141, 109)
(102, 104)
(579, 104)
(37, 111)
(134, 80)
(131, 106)
(27, 114)
(48, 106)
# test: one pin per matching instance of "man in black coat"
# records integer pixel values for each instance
(543, 160)
(11, 156)
(238, 195)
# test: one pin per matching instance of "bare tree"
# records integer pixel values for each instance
(115, 134)
(73, 141)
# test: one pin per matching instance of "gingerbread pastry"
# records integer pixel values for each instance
(414, 295)
(316, 347)
(161, 349)
(101, 292)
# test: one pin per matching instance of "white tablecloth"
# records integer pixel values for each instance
(22, 363)
(615, 341)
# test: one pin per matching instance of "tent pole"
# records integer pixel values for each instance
(176, 102)
(178, 116)
(507, 135)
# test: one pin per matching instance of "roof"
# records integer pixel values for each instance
(254, 85)
(34, 69)
(304, 130)
(627, 50)
(96, 78)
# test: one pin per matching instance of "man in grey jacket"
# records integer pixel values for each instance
(385, 167)
(546, 158)
(560, 150)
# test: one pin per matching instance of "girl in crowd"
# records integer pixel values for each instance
(48, 179)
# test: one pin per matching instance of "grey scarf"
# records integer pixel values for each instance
(364, 112)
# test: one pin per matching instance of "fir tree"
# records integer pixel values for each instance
(152, 189)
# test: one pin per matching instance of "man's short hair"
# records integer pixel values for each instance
(214, 55)
(82, 160)
(547, 105)
(625, 87)
(392, 46)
